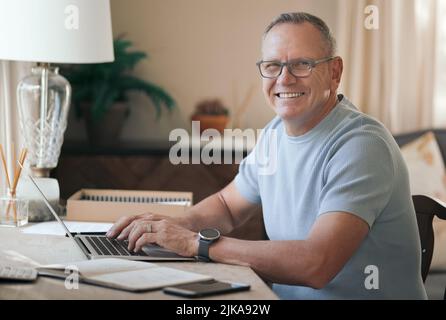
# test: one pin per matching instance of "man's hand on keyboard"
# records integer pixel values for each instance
(152, 228)
(121, 229)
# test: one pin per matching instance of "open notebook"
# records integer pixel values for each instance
(123, 274)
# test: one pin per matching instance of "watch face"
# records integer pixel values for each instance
(209, 234)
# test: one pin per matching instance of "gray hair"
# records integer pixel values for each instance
(301, 17)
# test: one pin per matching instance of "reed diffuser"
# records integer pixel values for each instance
(13, 210)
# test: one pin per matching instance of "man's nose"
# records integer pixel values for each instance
(286, 77)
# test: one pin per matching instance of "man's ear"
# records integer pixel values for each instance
(337, 68)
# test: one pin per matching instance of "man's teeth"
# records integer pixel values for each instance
(290, 95)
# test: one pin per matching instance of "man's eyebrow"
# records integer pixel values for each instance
(302, 59)
(291, 60)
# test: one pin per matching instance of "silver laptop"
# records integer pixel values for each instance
(96, 246)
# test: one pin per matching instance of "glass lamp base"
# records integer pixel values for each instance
(43, 98)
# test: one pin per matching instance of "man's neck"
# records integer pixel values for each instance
(304, 126)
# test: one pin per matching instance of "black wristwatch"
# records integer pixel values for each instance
(206, 238)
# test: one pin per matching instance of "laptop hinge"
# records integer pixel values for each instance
(83, 247)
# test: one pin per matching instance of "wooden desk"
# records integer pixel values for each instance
(45, 249)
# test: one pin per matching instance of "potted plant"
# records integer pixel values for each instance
(212, 114)
(100, 92)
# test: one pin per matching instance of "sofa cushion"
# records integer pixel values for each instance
(428, 177)
(440, 135)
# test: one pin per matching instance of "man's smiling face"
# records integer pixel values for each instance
(300, 102)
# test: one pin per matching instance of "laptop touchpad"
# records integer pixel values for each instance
(154, 250)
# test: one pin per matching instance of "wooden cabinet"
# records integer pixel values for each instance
(143, 167)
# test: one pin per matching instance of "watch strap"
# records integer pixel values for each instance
(203, 250)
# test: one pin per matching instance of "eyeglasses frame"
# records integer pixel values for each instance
(311, 65)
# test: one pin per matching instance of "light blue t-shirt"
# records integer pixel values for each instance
(349, 162)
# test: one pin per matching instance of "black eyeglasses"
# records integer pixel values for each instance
(300, 68)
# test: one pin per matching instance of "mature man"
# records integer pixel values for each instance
(336, 207)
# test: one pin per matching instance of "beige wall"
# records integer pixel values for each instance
(199, 49)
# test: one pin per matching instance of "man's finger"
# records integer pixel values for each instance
(126, 232)
(146, 238)
(119, 225)
(138, 230)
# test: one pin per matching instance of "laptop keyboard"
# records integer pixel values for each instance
(111, 247)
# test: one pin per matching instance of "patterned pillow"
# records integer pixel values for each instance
(428, 177)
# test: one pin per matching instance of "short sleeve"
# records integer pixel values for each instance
(359, 177)
(246, 180)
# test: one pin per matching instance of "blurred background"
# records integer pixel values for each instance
(200, 49)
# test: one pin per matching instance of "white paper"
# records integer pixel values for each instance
(125, 274)
(54, 228)
(149, 278)
(91, 268)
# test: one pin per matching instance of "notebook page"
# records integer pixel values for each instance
(54, 228)
(91, 268)
(145, 279)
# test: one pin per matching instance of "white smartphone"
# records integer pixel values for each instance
(205, 288)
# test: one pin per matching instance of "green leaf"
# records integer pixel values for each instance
(102, 84)
(157, 94)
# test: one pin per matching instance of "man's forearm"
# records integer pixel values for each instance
(313, 261)
(288, 262)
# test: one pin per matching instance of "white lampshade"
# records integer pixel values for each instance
(56, 31)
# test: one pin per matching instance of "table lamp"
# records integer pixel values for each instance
(51, 31)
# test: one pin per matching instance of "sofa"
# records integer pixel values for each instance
(436, 280)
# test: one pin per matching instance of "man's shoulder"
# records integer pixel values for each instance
(357, 125)
(360, 135)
